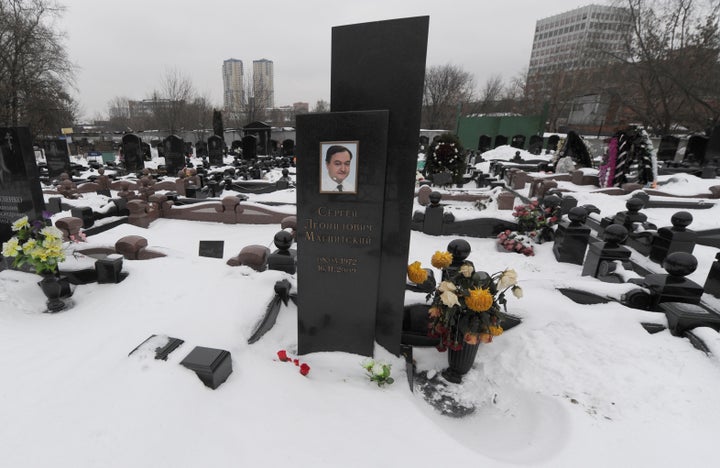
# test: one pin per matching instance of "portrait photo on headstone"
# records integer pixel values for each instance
(338, 166)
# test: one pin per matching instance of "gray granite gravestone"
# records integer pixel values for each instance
(20, 189)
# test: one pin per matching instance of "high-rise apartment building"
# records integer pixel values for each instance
(263, 83)
(233, 91)
(562, 41)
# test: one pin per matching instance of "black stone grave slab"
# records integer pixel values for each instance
(215, 150)
(712, 283)
(57, 157)
(339, 234)
(381, 65)
(109, 269)
(132, 152)
(212, 366)
(174, 151)
(213, 249)
(20, 189)
(168, 345)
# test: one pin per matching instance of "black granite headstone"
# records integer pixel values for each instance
(607, 251)
(381, 65)
(213, 249)
(339, 234)
(215, 150)
(668, 148)
(174, 151)
(20, 189)
(712, 283)
(132, 152)
(673, 239)
(57, 157)
(249, 147)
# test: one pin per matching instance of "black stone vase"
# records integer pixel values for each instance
(54, 288)
(460, 362)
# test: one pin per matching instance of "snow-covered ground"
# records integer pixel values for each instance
(572, 386)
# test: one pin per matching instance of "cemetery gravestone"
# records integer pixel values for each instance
(398, 48)
(132, 152)
(57, 157)
(339, 233)
(212, 249)
(484, 143)
(20, 189)
(249, 147)
(536, 144)
(552, 142)
(174, 151)
(501, 140)
(518, 141)
(695, 150)
(146, 153)
(215, 150)
(571, 238)
(288, 147)
(668, 148)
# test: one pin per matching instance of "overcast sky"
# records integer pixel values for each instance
(123, 48)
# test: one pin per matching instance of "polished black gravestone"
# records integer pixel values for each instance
(132, 152)
(673, 239)
(174, 151)
(215, 146)
(381, 65)
(339, 233)
(212, 249)
(20, 188)
(433, 219)
(56, 157)
(571, 237)
(212, 366)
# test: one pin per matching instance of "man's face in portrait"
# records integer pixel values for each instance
(339, 166)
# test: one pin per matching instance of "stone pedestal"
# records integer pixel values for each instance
(609, 250)
(571, 238)
(212, 366)
(673, 239)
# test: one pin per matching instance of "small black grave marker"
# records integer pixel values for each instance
(212, 366)
(213, 249)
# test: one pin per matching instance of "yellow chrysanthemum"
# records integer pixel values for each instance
(11, 248)
(495, 330)
(441, 259)
(416, 273)
(29, 245)
(20, 223)
(479, 300)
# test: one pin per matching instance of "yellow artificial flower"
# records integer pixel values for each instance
(435, 312)
(20, 223)
(467, 270)
(507, 279)
(11, 248)
(485, 337)
(517, 291)
(416, 273)
(495, 330)
(51, 232)
(479, 300)
(449, 298)
(29, 245)
(441, 259)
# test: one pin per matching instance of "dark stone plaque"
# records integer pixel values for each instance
(56, 157)
(132, 152)
(339, 233)
(20, 189)
(215, 150)
(212, 249)
(174, 151)
(381, 65)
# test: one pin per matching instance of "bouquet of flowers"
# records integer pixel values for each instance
(36, 244)
(512, 241)
(466, 306)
